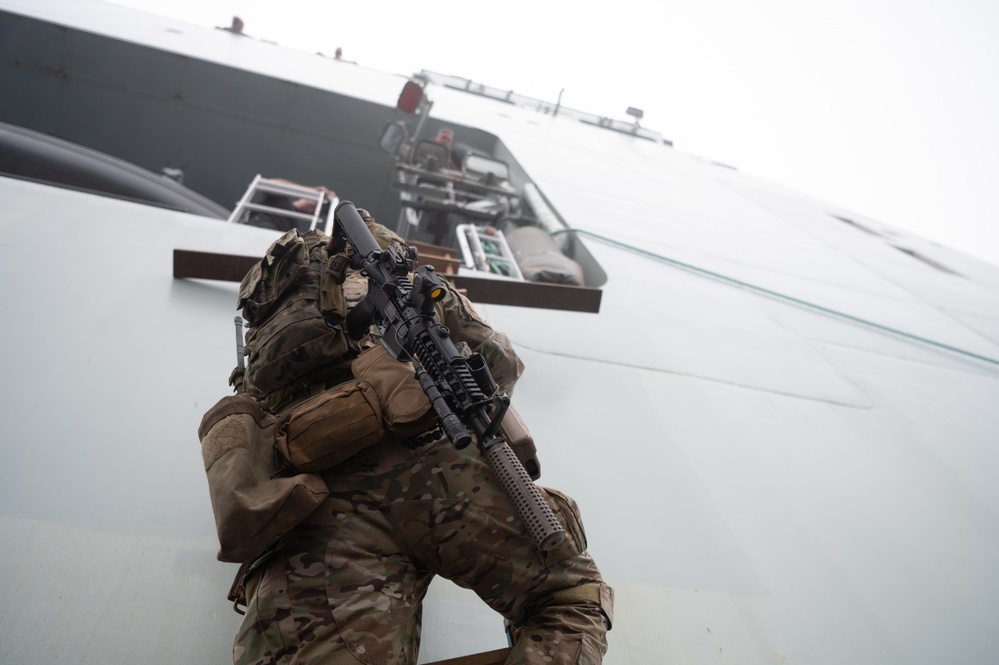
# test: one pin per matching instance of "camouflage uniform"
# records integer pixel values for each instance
(347, 585)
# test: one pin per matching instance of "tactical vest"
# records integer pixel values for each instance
(295, 301)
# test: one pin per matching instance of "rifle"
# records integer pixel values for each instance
(461, 390)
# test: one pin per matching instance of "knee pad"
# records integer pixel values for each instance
(597, 593)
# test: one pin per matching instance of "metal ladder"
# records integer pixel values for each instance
(270, 186)
(487, 252)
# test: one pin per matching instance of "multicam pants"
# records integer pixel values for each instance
(348, 585)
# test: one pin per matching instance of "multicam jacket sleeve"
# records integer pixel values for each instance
(457, 313)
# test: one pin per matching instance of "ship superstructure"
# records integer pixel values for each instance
(777, 416)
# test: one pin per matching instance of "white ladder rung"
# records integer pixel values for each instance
(269, 186)
(498, 259)
(287, 213)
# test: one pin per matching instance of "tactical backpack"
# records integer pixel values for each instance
(295, 307)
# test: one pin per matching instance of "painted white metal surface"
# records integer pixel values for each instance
(762, 482)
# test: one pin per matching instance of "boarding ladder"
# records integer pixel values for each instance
(485, 249)
(271, 186)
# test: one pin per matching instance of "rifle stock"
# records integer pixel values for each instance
(461, 390)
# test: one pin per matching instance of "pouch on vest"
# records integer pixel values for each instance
(515, 431)
(253, 509)
(294, 339)
(268, 279)
(331, 299)
(325, 430)
(406, 410)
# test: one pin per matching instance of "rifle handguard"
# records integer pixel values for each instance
(457, 388)
(534, 511)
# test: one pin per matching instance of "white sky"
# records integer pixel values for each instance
(886, 107)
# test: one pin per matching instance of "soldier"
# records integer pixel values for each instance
(346, 585)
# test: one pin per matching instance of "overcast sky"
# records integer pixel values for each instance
(886, 107)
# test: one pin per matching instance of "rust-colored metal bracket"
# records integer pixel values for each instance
(189, 264)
